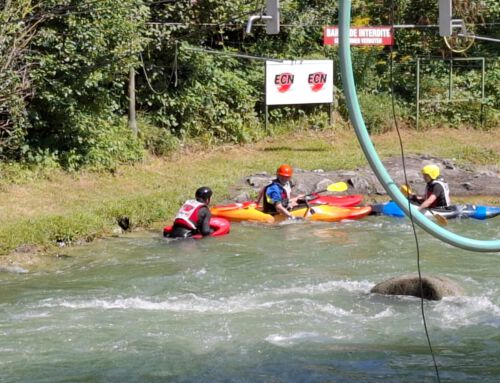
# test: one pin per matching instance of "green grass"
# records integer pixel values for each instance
(40, 208)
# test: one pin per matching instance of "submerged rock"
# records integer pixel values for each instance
(434, 288)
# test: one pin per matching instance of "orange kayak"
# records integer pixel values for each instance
(329, 213)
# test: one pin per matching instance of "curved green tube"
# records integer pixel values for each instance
(371, 154)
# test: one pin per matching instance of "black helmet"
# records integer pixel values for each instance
(204, 193)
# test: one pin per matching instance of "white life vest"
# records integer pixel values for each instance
(187, 215)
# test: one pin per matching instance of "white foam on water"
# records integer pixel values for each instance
(290, 339)
(200, 272)
(190, 303)
(387, 313)
(458, 312)
(14, 270)
(334, 310)
(326, 287)
(193, 303)
(32, 315)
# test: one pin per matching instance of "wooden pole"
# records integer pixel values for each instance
(132, 121)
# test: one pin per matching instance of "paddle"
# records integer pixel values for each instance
(406, 190)
(439, 218)
(336, 187)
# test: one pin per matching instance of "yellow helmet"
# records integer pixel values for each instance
(431, 170)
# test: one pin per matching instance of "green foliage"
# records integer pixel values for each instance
(478, 155)
(15, 36)
(215, 101)
(377, 111)
(60, 101)
(78, 70)
(87, 141)
(158, 141)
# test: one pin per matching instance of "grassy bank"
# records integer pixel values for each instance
(40, 212)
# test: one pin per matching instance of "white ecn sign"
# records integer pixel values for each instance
(299, 82)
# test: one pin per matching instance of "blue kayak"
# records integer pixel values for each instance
(454, 211)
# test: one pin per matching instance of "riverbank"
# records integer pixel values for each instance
(42, 215)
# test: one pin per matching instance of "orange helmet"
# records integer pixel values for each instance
(285, 171)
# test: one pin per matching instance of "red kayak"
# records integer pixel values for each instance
(335, 200)
(220, 225)
(313, 199)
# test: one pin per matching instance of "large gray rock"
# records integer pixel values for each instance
(434, 288)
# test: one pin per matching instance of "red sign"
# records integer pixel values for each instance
(360, 35)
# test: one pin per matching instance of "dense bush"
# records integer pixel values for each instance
(15, 36)
(63, 100)
(216, 102)
(158, 141)
(78, 69)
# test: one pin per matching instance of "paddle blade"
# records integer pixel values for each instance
(442, 221)
(406, 190)
(337, 187)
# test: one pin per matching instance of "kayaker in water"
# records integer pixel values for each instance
(194, 216)
(437, 192)
(276, 197)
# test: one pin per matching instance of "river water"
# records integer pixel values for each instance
(289, 303)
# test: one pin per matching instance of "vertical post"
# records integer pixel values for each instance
(267, 118)
(482, 90)
(333, 105)
(445, 13)
(450, 81)
(273, 10)
(266, 108)
(418, 91)
(132, 121)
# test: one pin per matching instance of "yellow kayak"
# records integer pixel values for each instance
(237, 214)
(329, 213)
(324, 213)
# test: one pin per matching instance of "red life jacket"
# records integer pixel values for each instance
(187, 216)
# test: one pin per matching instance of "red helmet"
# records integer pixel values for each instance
(285, 171)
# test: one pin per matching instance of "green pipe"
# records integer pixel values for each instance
(372, 156)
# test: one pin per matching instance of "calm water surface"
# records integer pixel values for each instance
(263, 304)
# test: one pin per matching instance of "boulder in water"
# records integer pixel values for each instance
(434, 288)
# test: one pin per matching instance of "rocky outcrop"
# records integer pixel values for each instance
(433, 287)
(463, 181)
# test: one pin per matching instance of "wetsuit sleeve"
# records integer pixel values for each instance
(274, 193)
(204, 216)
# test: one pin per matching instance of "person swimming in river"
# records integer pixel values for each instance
(194, 216)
